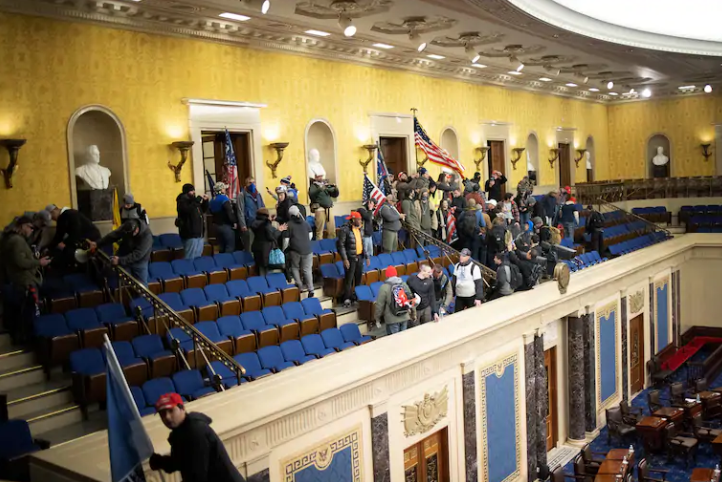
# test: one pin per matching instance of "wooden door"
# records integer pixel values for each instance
(497, 161)
(565, 165)
(394, 151)
(636, 354)
(241, 148)
(428, 460)
(550, 365)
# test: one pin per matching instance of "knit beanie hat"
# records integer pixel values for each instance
(128, 198)
(286, 180)
(537, 221)
(188, 188)
(263, 211)
(391, 272)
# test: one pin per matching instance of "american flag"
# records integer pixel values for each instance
(371, 191)
(230, 176)
(436, 154)
(381, 170)
(451, 235)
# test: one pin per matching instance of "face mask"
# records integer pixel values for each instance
(252, 187)
(425, 198)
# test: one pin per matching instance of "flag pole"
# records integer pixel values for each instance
(416, 151)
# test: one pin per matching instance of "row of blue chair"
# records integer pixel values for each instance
(635, 244)
(189, 384)
(198, 272)
(170, 246)
(583, 261)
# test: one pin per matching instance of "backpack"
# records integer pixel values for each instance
(596, 221)
(556, 235)
(515, 277)
(400, 305)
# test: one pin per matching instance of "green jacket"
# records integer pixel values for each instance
(323, 195)
(20, 265)
(385, 302)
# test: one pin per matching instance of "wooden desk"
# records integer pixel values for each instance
(692, 408)
(702, 475)
(717, 446)
(619, 454)
(651, 429)
(673, 414)
(709, 399)
(610, 467)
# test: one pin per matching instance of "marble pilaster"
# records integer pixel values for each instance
(262, 476)
(674, 308)
(531, 409)
(652, 321)
(576, 378)
(590, 379)
(625, 374)
(380, 447)
(470, 443)
(676, 305)
(542, 402)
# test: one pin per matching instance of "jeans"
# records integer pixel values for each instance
(139, 271)
(389, 240)
(301, 264)
(226, 238)
(352, 277)
(569, 230)
(193, 247)
(392, 328)
(464, 302)
(368, 245)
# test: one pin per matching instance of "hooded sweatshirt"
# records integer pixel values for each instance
(197, 453)
(297, 233)
(133, 249)
(385, 302)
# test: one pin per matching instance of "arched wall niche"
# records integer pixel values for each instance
(97, 125)
(655, 141)
(321, 136)
(591, 168)
(532, 157)
(450, 141)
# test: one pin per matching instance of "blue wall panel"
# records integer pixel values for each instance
(501, 436)
(340, 470)
(662, 311)
(338, 460)
(608, 355)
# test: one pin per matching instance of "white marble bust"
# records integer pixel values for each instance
(660, 159)
(588, 159)
(315, 168)
(92, 173)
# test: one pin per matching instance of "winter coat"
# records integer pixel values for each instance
(405, 187)
(191, 223)
(222, 210)
(132, 249)
(323, 195)
(346, 243)
(265, 238)
(282, 208)
(425, 214)
(72, 227)
(368, 219)
(251, 204)
(391, 221)
(241, 209)
(197, 453)
(385, 302)
(460, 204)
(297, 233)
(20, 267)
(136, 211)
(495, 190)
(413, 212)
(425, 289)
(443, 291)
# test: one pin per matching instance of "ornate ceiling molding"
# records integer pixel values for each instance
(331, 9)
(420, 25)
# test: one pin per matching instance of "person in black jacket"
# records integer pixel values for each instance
(224, 219)
(459, 202)
(195, 449)
(595, 228)
(351, 250)
(494, 184)
(495, 240)
(367, 215)
(190, 221)
(423, 285)
(265, 239)
(136, 243)
(284, 204)
(71, 229)
(299, 249)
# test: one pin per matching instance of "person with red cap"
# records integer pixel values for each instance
(394, 302)
(350, 248)
(196, 451)
(569, 217)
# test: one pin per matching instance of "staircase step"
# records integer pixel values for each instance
(57, 418)
(13, 379)
(96, 421)
(6, 342)
(39, 397)
(17, 358)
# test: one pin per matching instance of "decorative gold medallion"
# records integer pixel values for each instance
(422, 416)
(562, 276)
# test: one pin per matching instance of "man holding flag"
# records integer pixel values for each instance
(436, 154)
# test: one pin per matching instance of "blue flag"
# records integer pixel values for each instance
(128, 441)
(381, 171)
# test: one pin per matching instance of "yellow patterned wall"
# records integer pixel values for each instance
(49, 69)
(687, 122)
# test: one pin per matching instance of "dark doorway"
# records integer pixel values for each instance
(550, 365)
(565, 165)
(428, 460)
(497, 161)
(636, 354)
(394, 152)
(214, 155)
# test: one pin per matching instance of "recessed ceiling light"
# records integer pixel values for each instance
(383, 46)
(479, 66)
(346, 24)
(571, 84)
(545, 79)
(593, 89)
(436, 57)
(514, 72)
(708, 88)
(418, 41)
(234, 16)
(646, 93)
(319, 33)
(610, 85)
(613, 93)
(687, 87)
(263, 5)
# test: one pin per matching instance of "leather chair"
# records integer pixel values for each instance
(558, 475)
(643, 471)
(659, 376)
(630, 415)
(702, 432)
(680, 444)
(580, 469)
(677, 393)
(592, 464)
(699, 385)
(616, 426)
(654, 401)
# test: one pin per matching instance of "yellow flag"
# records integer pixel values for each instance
(116, 216)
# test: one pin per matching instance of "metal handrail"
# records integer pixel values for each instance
(487, 274)
(159, 306)
(654, 226)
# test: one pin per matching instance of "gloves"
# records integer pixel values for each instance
(155, 462)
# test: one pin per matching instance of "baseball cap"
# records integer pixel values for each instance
(466, 252)
(354, 215)
(168, 401)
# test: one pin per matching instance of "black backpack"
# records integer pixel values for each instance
(516, 279)
(400, 300)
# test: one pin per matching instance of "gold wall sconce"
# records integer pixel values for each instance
(518, 151)
(483, 151)
(279, 147)
(580, 156)
(183, 147)
(554, 155)
(706, 152)
(420, 163)
(371, 148)
(13, 146)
